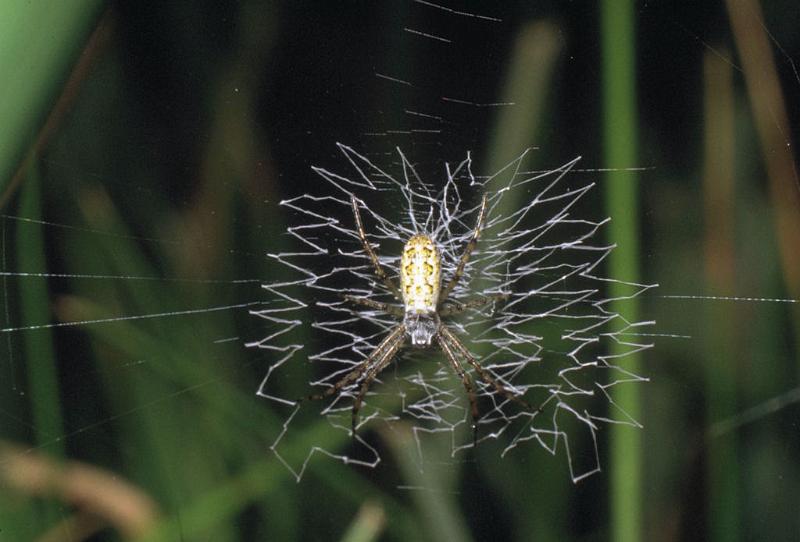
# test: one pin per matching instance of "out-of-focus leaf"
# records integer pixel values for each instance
(39, 42)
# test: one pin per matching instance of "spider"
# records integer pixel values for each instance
(425, 302)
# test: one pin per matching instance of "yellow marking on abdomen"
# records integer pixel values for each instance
(420, 274)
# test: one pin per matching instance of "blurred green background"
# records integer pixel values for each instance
(144, 148)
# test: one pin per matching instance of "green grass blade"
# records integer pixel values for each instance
(721, 355)
(41, 366)
(436, 507)
(530, 74)
(40, 353)
(367, 525)
(620, 150)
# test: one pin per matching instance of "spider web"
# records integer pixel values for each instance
(548, 342)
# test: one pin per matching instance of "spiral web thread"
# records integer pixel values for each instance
(549, 341)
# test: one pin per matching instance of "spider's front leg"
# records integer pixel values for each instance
(376, 264)
(462, 262)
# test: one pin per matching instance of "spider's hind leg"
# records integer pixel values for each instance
(394, 337)
(453, 341)
(468, 385)
(391, 346)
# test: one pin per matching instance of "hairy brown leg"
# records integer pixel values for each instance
(485, 376)
(462, 263)
(455, 307)
(376, 264)
(396, 335)
(390, 351)
(394, 310)
(466, 380)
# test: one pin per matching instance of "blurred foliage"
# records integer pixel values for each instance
(150, 193)
(39, 43)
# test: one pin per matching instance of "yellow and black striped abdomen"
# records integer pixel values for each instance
(420, 274)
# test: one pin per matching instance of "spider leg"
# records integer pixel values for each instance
(377, 305)
(376, 264)
(389, 352)
(462, 263)
(355, 374)
(485, 376)
(465, 379)
(455, 307)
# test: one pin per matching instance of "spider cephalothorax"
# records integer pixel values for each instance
(425, 302)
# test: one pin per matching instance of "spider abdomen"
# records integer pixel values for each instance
(420, 275)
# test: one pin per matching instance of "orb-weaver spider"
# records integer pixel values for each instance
(425, 302)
